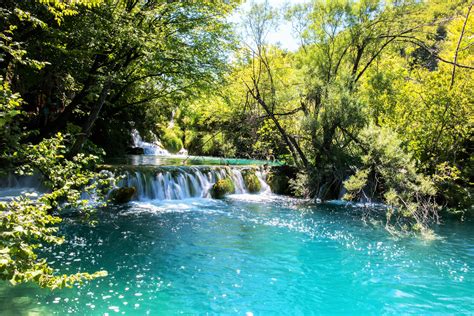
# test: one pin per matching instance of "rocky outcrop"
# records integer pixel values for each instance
(123, 195)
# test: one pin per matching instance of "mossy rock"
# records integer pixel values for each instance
(278, 183)
(222, 187)
(251, 181)
(123, 195)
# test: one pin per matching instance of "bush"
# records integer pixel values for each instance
(388, 174)
(171, 141)
(27, 224)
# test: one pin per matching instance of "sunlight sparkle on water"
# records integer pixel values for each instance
(254, 254)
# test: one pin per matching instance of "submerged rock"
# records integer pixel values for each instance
(123, 195)
(251, 181)
(222, 187)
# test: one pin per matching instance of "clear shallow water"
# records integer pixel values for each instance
(258, 254)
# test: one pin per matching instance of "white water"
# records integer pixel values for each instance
(155, 148)
(179, 183)
(12, 186)
(149, 148)
(160, 183)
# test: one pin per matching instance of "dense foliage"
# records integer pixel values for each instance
(27, 222)
(377, 99)
(112, 67)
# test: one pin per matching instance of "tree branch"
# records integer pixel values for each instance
(453, 74)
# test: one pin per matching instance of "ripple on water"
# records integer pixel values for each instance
(251, 254)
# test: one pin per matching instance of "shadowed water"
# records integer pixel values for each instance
(257, 254)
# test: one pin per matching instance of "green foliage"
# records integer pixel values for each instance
(26, 223)
(371, 94)
(25, 226)
(356, 184)
(222, 187)
(388, 173)
(251, 181)
(61, 9)
(171, 141)
(453, 185)
(300, 185)
(67, 178)
(145, 59)
(10, 110)
(9, 105)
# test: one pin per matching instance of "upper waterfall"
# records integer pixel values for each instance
(148, 148)
(155, 148)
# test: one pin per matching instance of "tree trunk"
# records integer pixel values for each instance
(61, 121)
(295, 149)
(94, 115)
(453, 74)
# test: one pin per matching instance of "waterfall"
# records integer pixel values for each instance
(149, 148)
(155, 148)
(184, 182)
(154, 182)
(14, 185)
(262, 177)
(14, 181)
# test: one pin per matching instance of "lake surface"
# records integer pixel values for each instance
(252, 254)
(178, 160)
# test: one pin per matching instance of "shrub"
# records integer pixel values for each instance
(27, 224)
(171, 141)
(388, 174)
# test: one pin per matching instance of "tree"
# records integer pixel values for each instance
(262, 87)
(116, 58)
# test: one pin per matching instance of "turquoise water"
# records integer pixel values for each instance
(256, 255)
(176, 160)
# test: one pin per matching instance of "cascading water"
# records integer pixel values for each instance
(262, 178)
(176, 183)
(155, 183)
(154, 148)
(148, 148)
(12, 186)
